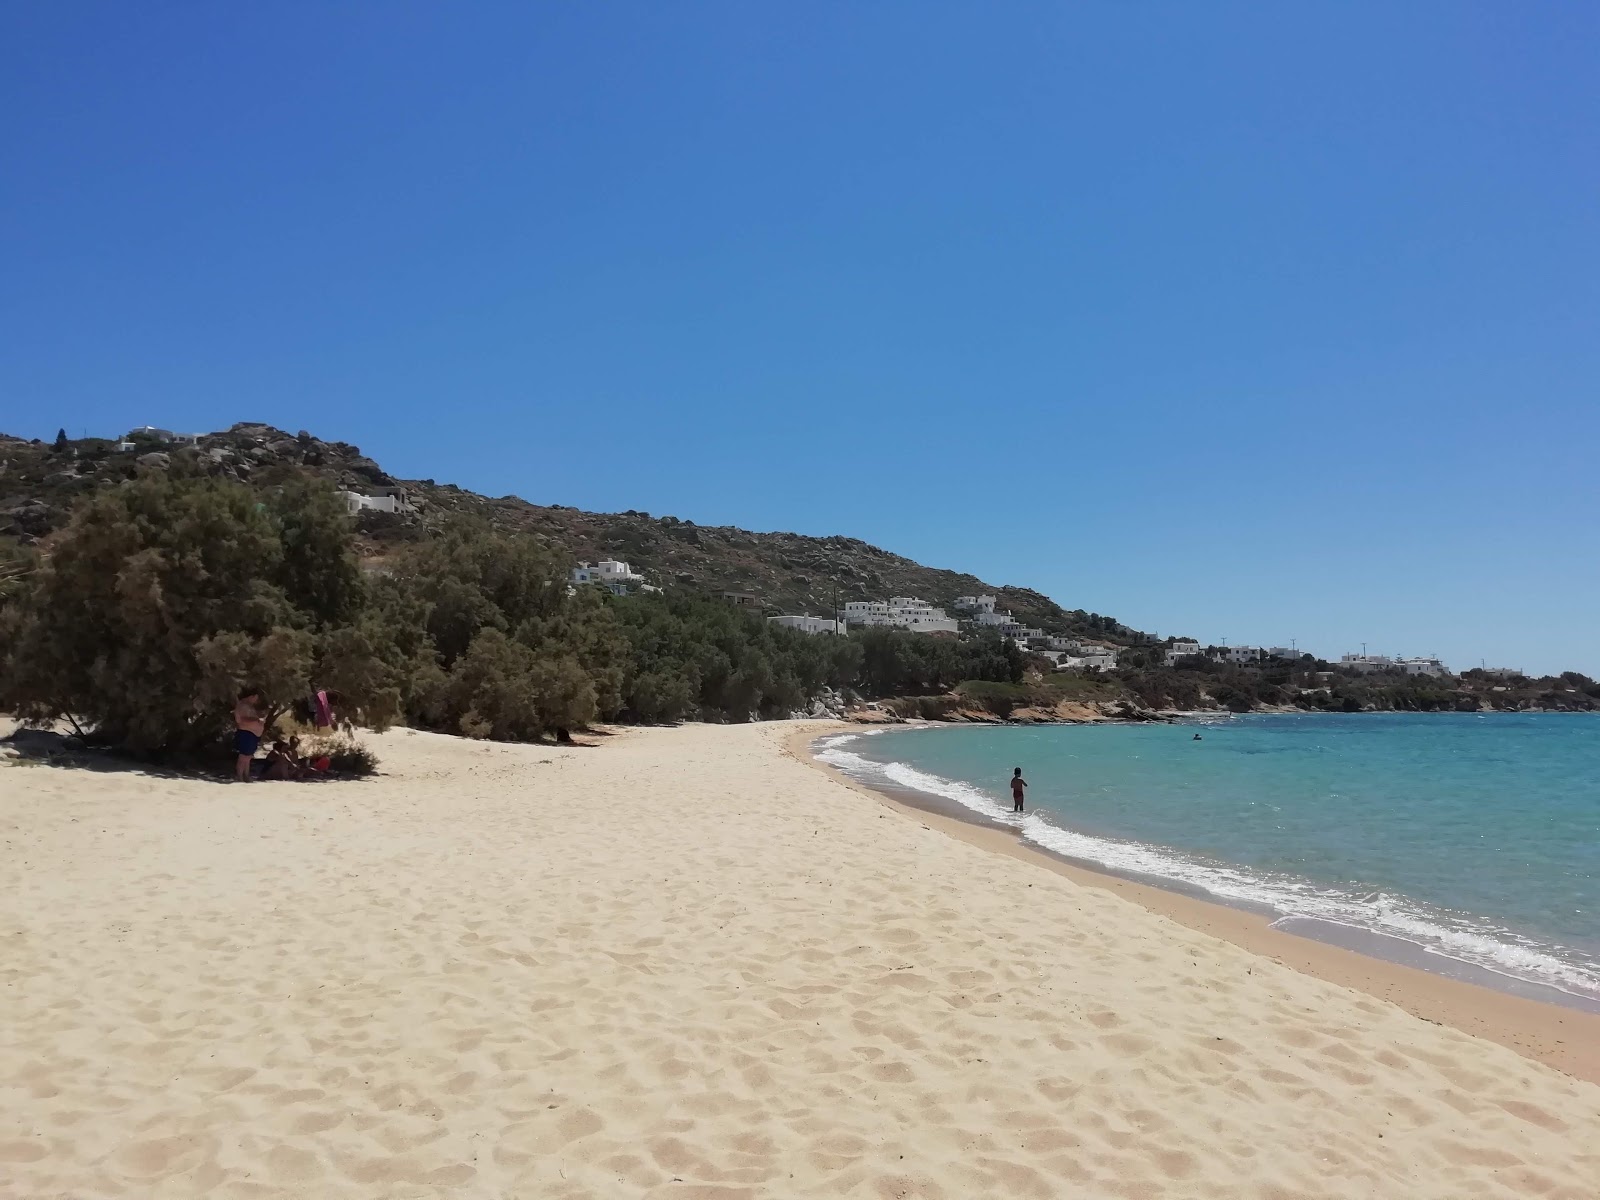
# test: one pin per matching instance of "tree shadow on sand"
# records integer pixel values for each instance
(26, 747)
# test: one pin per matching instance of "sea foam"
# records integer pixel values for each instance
(1464, 938)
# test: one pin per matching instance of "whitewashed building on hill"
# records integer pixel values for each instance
(900, 612)
(1420, 665)
(1424, 666)
(975, 604)
(1180, 649)
(1239, 655)
(809, 624)
(616, 577)
(1099, 660)
(867, 612)
(1098, 654)
(1366, 663)
(389, 500)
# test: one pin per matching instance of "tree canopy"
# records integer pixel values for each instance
(167, 595)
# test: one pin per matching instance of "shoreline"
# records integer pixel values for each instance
(1558, 1034)
(691, 965)
(1165, 716)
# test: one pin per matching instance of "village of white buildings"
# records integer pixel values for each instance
(975, 614)
(978, 614)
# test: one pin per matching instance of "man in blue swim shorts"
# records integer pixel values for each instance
(249, 724)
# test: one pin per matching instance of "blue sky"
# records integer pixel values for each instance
(1246, 321)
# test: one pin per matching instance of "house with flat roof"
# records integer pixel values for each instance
(809, 624)
(616, 577)
(1238, 655)
(161, 435)
(383, 499)
(1180, 649)
(900, 612)
(1366, 663)
(1424, 666)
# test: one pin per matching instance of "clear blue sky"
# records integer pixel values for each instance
(1247, 321)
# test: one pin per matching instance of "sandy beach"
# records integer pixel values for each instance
(682, 963)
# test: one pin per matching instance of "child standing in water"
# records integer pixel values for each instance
(1018, 783)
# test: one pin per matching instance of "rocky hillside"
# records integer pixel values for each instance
(786, 571)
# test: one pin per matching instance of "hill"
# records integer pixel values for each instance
(787, 572)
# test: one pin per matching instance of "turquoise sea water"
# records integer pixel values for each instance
(1475, 837)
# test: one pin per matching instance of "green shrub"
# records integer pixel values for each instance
(345, 755)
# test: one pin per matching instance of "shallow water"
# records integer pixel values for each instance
(1476, 837)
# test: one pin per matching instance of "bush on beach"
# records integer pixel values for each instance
(167, 594)
(164, 594)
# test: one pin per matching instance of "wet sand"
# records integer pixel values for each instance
(1540, 1023)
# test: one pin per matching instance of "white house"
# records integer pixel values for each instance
(1239, 654)
(1098, 654)
(975, 604)
(919, 616)
(866, 612)
(809, 624)
(992, 619)
(1181, 648)
(1424, 666)
(389, 500)
(1086, 662)
(1366, 663)
(900, 612)
(162, 435)
(615, 576)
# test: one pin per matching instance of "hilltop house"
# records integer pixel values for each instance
(1366, 663)
(742, 599)
(1424, 666)
(1238, 655)
(616, 577)
(1421, 665)
(975, 604)
(900, 612)
(1093, 658)
(383, 499)
(1097, 655)
(809, 624)
(160, 435)
(1180, 649)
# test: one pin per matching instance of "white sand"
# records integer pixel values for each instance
(680, 965)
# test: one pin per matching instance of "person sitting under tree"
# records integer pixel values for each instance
(285, 761)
